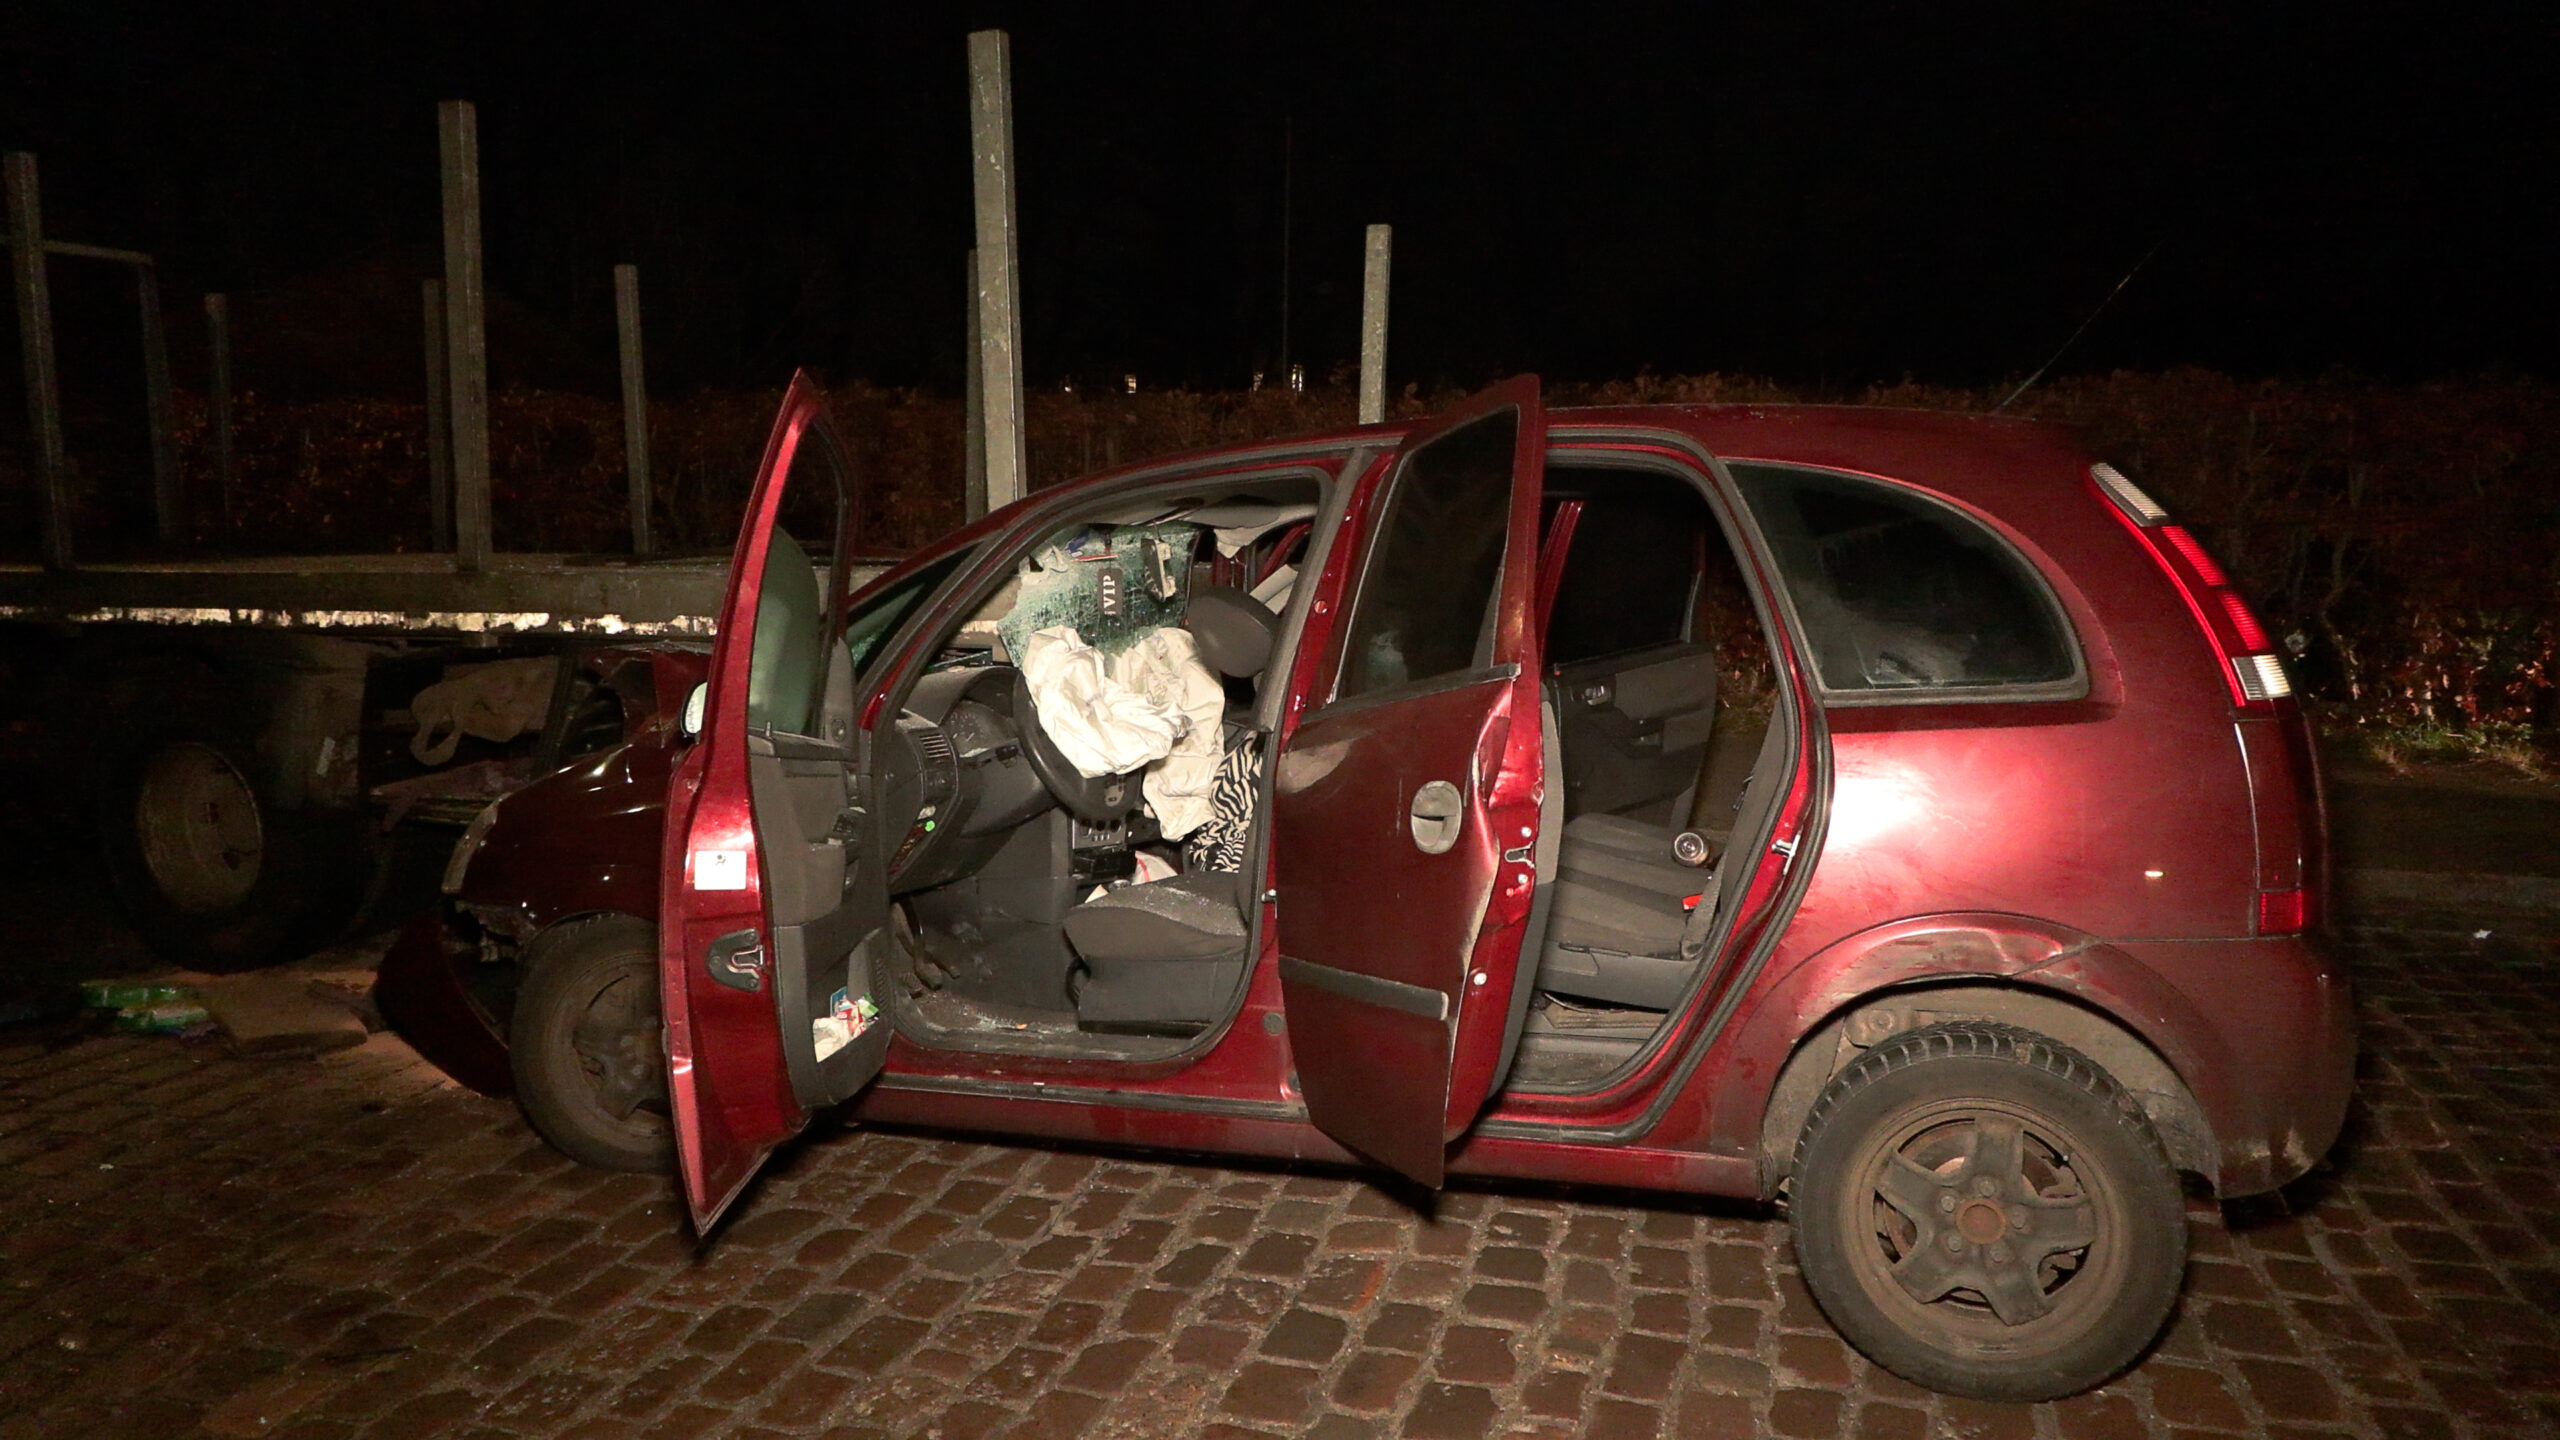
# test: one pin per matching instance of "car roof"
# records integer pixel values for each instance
(1996, 462)
(1999, 464)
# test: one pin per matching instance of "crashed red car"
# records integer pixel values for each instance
(1888, 811)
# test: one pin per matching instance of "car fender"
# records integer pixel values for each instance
(580, 841)
(1856, 990)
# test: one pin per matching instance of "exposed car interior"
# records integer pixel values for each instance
(1052, 896)
(1660, 701)
(1038, 905)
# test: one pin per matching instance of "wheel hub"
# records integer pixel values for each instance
(1982, 1224)
(195, 820)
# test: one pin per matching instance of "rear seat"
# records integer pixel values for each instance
(1619, 912)
(1617, 931)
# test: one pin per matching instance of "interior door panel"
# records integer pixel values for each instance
(800, 791)
(1635, 729)
(765, 906)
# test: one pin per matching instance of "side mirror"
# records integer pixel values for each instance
(697, 709)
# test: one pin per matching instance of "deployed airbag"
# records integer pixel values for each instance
(1153, 705)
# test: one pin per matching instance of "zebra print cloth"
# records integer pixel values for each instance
(1219, 843)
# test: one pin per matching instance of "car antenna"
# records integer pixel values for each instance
(2029, 383)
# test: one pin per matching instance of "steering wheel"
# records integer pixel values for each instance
(1099, 800)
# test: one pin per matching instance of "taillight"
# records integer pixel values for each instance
(2284, 912)
(2250, 665)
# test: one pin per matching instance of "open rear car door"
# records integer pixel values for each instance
(1407, 801)
(770, 895)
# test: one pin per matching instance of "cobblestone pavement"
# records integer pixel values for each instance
(350, 1247)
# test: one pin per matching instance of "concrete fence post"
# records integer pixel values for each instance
(35, 348)
(635, 401)
(999, 297)
(466, 341)
(1373, 323)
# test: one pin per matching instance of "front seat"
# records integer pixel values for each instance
(1171, 952)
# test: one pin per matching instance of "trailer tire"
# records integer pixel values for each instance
(208, 867)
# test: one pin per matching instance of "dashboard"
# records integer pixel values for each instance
(954, 782)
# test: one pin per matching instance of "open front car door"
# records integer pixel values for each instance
(770, 896)
(1406, 802)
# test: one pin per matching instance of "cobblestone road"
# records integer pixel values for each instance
(349, 1247)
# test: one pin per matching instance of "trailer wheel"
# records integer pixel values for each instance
(213, 873)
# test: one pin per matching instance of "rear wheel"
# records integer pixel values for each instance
(1985, 1212)
(587, 1046)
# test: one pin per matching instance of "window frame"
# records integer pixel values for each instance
(2074, 686)
(818, 440)
(1375, 526)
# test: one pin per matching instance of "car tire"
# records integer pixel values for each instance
(208, 867)
(1985, 1212)
(587, 1048)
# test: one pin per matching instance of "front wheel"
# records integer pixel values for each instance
(585, 1042)
(1986, 1212)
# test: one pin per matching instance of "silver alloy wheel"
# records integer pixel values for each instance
(195, 819)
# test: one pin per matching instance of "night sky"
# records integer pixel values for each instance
(1827, 194)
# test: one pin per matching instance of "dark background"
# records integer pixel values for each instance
(1829, 195)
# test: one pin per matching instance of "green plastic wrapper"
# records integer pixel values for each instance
(115, 994)
(163, 1018)
(124, 994)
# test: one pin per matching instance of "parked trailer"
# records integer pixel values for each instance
(235, 736)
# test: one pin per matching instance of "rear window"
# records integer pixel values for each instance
(1898, 592)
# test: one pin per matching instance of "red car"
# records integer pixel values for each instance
(1888, 811)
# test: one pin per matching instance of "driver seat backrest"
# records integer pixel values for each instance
(1235, 632)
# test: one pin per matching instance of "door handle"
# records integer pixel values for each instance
(737, 960)
(1439, 812)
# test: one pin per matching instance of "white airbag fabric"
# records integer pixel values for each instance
(1153, 705)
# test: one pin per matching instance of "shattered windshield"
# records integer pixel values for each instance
(1111, 583)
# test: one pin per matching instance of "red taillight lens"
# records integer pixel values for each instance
(2253, 636)
(2251, 669)
(2189, 546)
(2283, 912)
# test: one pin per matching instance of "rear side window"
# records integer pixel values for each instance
(1898, 592)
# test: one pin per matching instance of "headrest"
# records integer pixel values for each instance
(1235, 631)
